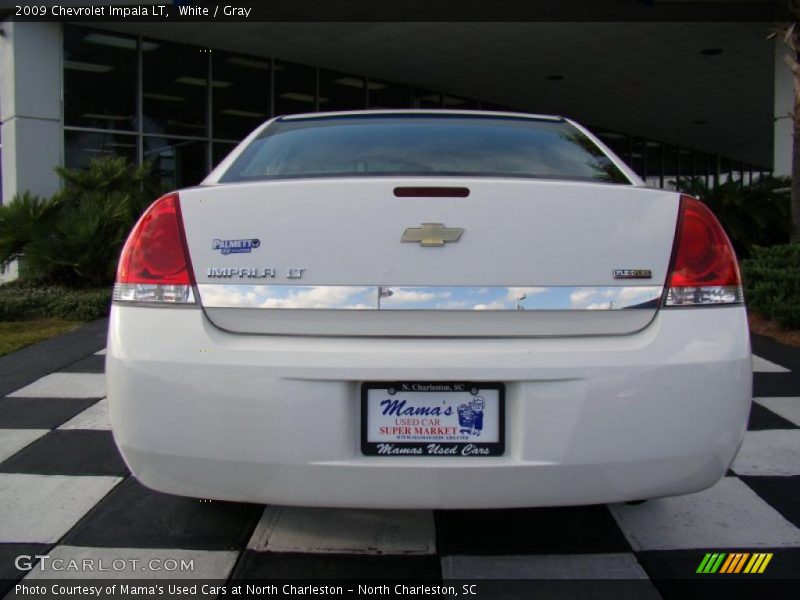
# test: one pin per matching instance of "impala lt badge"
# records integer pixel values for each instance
(241, 272)
(432, 234)
(253, 272)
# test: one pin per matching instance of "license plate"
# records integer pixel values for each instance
(428, 418)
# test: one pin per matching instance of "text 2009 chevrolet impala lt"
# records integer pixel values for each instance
(427, 309)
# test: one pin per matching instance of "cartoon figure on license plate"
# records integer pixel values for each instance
(470, 416)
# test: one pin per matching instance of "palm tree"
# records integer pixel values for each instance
(790, 33)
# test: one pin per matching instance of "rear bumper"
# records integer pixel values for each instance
(197, 411)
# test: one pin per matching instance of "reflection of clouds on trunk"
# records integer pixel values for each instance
(343, 297)
(516, 293)
(223, 295)
(404, 296)
(318, 297)
(401, 298)
(496, 305)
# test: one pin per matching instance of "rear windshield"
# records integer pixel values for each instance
(375, 145)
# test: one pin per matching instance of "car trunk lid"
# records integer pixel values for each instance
(352, 256)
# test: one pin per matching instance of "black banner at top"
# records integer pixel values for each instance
(170, 11)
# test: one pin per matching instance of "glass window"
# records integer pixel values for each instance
(295, 88)
(383, 94)
(497, 107)
(423, 145)
(685, 163)
(618, 142)
(82, 146)
(653, 165)
(458, 103)
(175, 95)
(638, 161)
(739, 171)
(725, 167)
(219, 151)
(176, 163)
(713, 170)
(100, 74)
(701, 167)
(671, 167)
(338, 91)
(427, 99)
(240, 94)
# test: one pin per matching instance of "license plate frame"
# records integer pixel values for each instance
(469, 447)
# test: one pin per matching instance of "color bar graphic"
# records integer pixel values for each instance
(722, 562)
(711, 562)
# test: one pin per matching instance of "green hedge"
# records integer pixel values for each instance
(22, 301)
(772, 283)
(74, 238)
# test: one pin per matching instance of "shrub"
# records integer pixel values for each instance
(75, 237)
(772, 283)
(20, 301)
(752, 215)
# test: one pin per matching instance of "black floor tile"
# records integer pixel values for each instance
(133, 516)
(581, 529)
(269, 565)
(782, 493)
(763, 418)
(773, 351)
(93, 363)
(40, 413)
(77, 452)
(9, 574)
(776, 384)
(25, 366)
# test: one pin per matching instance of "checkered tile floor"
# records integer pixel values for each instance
(65, 491)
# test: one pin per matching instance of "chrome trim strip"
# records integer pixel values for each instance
(463, 298)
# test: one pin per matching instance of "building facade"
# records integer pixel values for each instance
(70, 93)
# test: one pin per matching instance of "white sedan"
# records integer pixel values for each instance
(427, 309)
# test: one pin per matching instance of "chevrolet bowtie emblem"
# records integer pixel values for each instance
(432, 234)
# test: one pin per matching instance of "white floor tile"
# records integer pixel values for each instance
(762, 365)
(134, 563)
(42, 508)
(66, 385)
(769, 452)
(343, 531)
(94, 417)
(14, 440)
(729, 515)
(787, 407)
(544, 566)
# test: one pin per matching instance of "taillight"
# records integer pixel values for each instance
(704, 269)
(154, 265)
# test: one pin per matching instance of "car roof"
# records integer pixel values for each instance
(418, 111)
